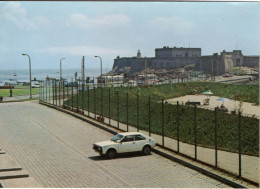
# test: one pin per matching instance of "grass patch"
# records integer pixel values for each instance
(227, 124)
(18, 91)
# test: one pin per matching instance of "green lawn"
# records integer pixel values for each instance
(19, 90)
(227, 124)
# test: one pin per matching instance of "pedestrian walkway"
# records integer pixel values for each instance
(19, 98)
(56, 149)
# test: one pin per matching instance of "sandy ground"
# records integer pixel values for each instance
(248, 109)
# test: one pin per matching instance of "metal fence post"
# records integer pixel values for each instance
(149, 114)
(72, 94)
(137, 116)
(101, 94)
(42, 90)
(162, 122)
(49, 83)
(59, 91)
(216, 139)
(195, 130)
(77, 87)
(239, 142)
(127, 111)
(63, 92)
(82, 100)
(88, 100)
(178, 128)
(46, 91)
(56, 91)
(95, 102)
(118, 109)
(52, 91)
(109, 116)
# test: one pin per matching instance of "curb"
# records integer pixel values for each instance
(184, 163)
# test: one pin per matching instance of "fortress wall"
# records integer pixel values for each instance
(251, 61)
(211, 64)
(177, 52)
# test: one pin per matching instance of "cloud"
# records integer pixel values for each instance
(82, 21)
(13, 13)
(81, 50)
(174, 24)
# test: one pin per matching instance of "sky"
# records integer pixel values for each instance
(49, 31)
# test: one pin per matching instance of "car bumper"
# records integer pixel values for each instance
(96, 148)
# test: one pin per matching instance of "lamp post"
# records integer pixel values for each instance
(60, 68)
(29, 74)
(100, 69)
(101, 79)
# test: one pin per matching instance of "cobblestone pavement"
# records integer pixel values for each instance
(56, 149)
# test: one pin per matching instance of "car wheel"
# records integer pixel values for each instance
(111, 154)
(146, 150)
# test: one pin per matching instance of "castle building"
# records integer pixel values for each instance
(173, 58)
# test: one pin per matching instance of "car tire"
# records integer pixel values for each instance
(146, 150)
(111, 154)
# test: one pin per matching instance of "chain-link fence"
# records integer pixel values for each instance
(216, 138)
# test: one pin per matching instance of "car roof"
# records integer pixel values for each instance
(130, 133)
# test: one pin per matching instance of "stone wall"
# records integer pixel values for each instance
(167, 52)
(251, 61)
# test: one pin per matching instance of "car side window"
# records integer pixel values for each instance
(128, 138)
(139, 137)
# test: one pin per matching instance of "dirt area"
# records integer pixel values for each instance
(248, 109)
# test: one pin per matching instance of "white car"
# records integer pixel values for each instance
(125, 142)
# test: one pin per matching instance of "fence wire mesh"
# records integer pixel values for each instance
(168, 123)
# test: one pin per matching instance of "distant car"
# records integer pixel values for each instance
(125, 142)
(227, 75)
(36, 85)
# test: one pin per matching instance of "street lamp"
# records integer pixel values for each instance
(100, 69)
(60, 68)
(30, 74)
(101, 85)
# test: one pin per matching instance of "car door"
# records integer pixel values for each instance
(127, 144)
(140, 141)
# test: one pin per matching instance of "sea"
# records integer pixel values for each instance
(22, 75)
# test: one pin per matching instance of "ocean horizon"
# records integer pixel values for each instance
(22, 75)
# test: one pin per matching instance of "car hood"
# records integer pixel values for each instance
(104, 143)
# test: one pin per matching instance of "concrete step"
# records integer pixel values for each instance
(13, 174)
(28, 182)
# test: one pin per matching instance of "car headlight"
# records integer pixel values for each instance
(99, 148)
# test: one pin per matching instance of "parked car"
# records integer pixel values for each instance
(125, 142)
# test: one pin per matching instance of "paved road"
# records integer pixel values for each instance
(56, 149)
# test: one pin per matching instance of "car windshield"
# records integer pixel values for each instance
(117, 137)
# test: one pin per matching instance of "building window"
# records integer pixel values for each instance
(186, 54)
